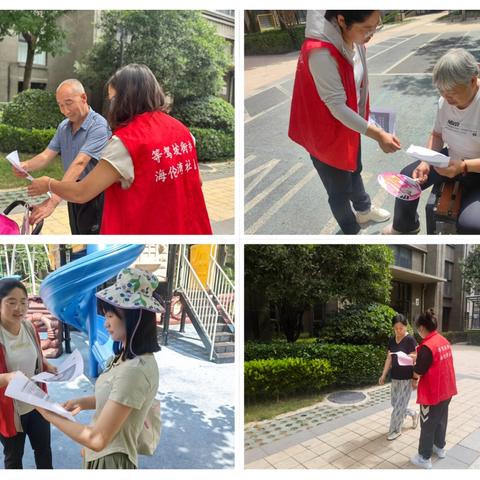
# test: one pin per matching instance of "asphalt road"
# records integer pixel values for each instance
(283, 193)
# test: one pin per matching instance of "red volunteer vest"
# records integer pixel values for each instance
(438, 384)
(7, 422)
(166, 196)
(312, 125)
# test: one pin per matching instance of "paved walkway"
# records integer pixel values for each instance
(262, 71)
(356, 438)
(197, 400)
(218, 188)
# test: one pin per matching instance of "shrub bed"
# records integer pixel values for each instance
(274, 41)
(213, 144)
(29, 141)
(275, 378)
(209, 112)
(33, 109)
(359, 325)
(355, 365)
(455, 337)
(474, 337)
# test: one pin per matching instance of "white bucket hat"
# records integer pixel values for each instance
(133, 289)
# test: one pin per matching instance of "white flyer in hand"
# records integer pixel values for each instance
(404, 360)
(70, 369)
(23, 389)
(435, 159)
(14, 159)
(383, 118)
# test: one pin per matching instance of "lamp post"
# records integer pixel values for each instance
(172, 255)
(124, 37)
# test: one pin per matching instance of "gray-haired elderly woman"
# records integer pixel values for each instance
(456, 131)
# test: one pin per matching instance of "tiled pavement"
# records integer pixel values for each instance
(218, 188)
(357, 439)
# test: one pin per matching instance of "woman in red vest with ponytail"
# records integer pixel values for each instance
(330, 108)
(148, 170)
(434, 376)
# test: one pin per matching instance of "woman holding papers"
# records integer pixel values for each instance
(125, 391)
(330, 109)
(434, 376)
(457, 125)
(20, 350)
(401, 343)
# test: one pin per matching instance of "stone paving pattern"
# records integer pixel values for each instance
(358, 439)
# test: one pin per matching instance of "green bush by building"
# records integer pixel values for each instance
(33, 109)
(274, 41)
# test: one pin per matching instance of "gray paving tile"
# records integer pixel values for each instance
(449, 463)
(464, 454)
(472, 441)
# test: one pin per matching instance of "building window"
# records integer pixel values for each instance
(448, 274)
(33, 85)
(38, 59)
(228, 13)
(403, 256)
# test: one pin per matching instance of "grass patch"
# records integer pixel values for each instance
(267, 410)
(9, 180)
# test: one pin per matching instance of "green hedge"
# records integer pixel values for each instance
(213, 144)
(33, 109)
(455, 337)
(355, 364)
(275, 378)
(274, 41)
(474, 337)
(359, 325)
(209, 112)
(26, 140)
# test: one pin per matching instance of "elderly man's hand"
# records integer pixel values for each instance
(454, 168)
(420, 174)
(18, 173)
(38, 186)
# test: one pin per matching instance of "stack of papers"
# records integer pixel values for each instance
(383, 118)
(435, 159)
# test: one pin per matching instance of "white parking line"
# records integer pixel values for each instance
(261, 196)
(249, 158)
(267, 110)
(393, 46)
(280, 203)
(410, 54)
(267, 167)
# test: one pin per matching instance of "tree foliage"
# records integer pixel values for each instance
(39, 29)
(471, 269)
(181, 48)
(294, 277)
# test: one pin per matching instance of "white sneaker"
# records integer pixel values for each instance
(393, 435)
(375, 214)
(389, 230)
(421, 462)
(440, 452)
(415, 418)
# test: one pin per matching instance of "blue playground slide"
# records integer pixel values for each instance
(69, 294)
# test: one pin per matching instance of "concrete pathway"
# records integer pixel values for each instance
(197, 399)
(357, 439)
(218, 189)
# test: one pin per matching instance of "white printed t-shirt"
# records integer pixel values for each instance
(460, 129)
